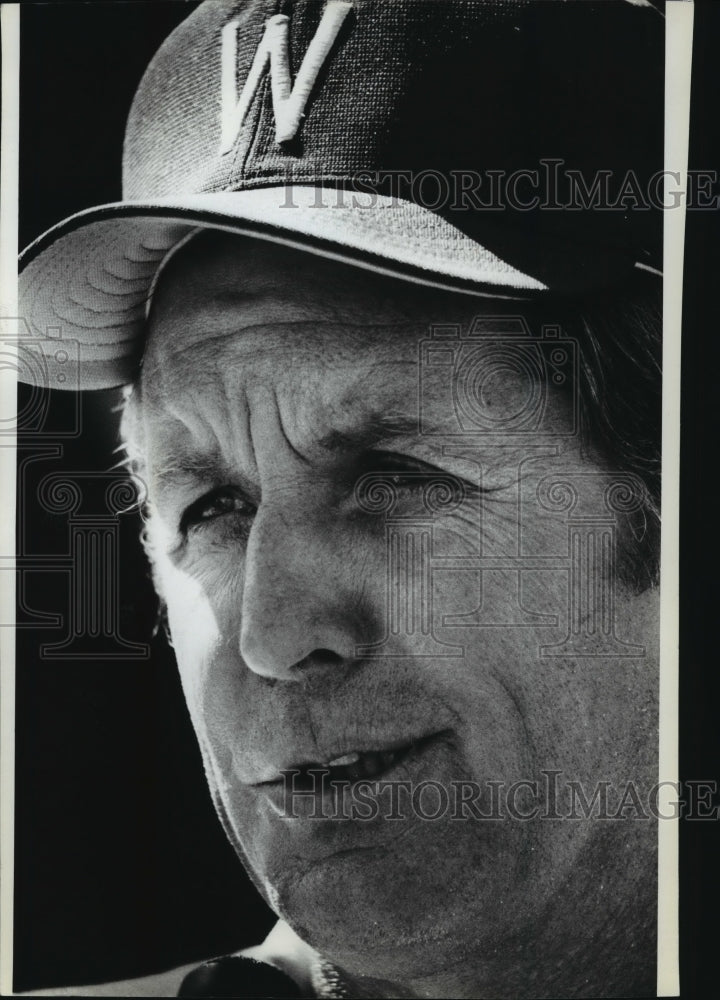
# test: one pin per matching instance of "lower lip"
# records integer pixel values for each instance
(333, 799)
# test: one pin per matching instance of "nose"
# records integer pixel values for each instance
(301, 601)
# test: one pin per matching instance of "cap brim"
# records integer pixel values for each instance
(85, 284)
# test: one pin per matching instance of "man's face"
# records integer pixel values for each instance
(312, 622)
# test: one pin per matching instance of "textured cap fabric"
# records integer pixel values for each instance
(371, 131)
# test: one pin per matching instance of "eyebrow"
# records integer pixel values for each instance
(377, 428)
(188, 466)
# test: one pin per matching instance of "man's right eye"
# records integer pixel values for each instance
(218, 503)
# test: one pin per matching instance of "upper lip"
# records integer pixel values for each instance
(300, 762)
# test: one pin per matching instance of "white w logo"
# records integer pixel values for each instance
(288, 101)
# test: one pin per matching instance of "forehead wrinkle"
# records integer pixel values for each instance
(179, 445)
(313, 410)
(239, 417)
(204, 412)
(225, 416)
(161, 348)
(389, 413)
(159, 353)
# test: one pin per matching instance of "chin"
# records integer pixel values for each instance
(376, 915)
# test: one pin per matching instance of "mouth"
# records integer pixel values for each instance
(352, 766)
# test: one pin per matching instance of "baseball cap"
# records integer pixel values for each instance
(445, 142)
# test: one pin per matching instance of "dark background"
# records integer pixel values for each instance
(121, 866)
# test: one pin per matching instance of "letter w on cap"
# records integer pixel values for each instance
(288, 101)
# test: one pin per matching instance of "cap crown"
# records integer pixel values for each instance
(412, 86)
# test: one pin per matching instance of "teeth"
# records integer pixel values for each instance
(345, 761)
(364, 764)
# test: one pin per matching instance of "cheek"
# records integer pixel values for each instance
(203, 608)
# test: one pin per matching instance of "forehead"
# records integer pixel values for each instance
(235, 321)
(223, 296)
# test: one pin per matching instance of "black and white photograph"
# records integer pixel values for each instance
(346, 456)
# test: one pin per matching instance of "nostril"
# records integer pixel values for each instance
(319, 658)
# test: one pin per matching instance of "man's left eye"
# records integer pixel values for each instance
(402, 470)
(411, 481)
(217, 503)
(394, 464)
